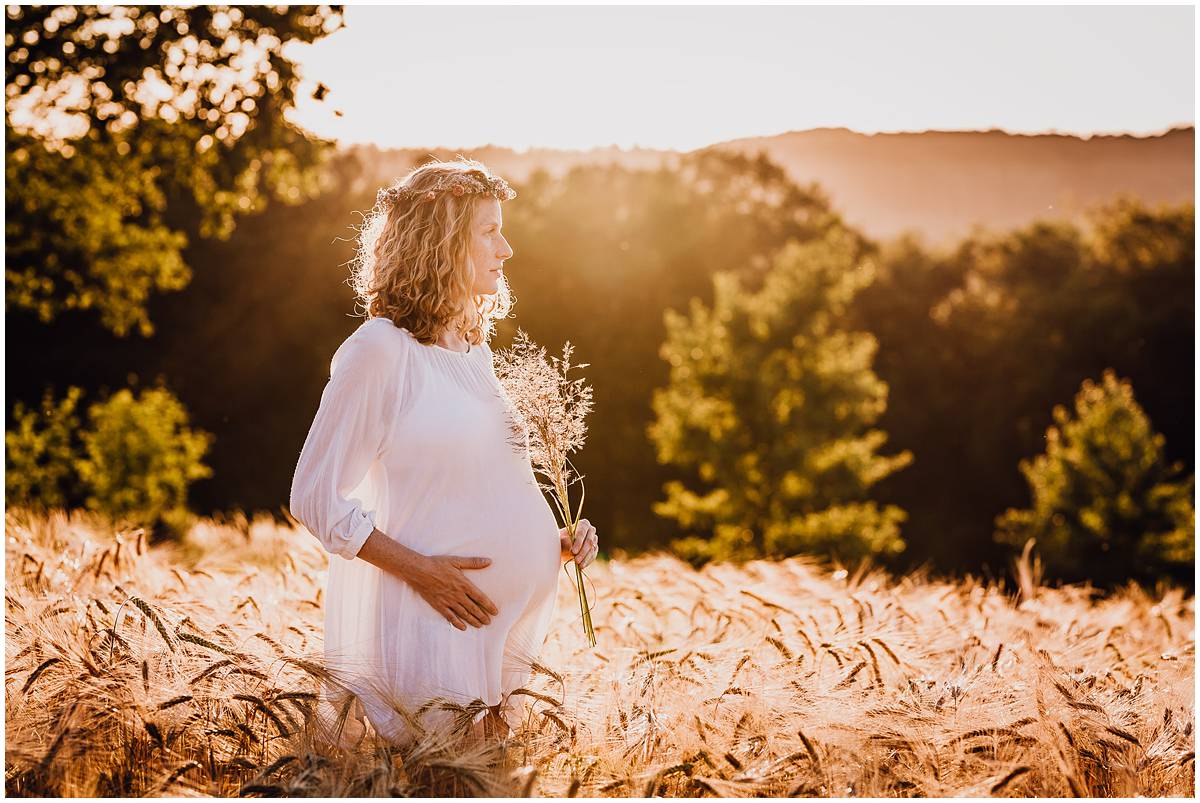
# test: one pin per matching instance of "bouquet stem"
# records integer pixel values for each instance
(584, 608)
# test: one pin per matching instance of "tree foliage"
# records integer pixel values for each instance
(771, 402)
(979, 342)
(1106, 504)
(129, 127)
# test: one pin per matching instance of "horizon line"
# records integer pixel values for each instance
(1052, 132)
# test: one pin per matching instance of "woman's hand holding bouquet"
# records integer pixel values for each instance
(583, 547)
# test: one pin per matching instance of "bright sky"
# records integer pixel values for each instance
(684, 77)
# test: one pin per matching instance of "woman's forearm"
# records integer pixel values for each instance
(389, 554)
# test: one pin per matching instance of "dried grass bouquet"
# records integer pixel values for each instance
(546, 412)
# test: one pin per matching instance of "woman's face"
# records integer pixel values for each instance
(489, 249)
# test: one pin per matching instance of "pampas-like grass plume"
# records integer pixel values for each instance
(547, 415)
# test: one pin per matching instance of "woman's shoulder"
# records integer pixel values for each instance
(376, 342)
(385, 332)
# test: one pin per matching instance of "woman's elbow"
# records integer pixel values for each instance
(300, 505)
(306, 507)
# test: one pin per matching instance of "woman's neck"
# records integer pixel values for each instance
(451, 339)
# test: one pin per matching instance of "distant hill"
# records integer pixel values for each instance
(942, 182)
(937, 183)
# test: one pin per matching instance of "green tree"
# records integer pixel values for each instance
(771, 403)
(40, 450)
(1106, 504)
(627, 244)
(128, 126)
(139, 456)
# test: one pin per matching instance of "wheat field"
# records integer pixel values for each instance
(192, 669)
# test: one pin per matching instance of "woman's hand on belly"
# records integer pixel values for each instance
(440, 581)
(583, 547)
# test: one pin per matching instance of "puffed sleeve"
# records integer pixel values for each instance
(346, 436)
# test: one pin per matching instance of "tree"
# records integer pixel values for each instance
(602, 251)
(771, 403)
(128, 127)
(1106, 504)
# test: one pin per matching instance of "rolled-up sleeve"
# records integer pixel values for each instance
(346, 436)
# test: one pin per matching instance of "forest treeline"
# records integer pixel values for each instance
(766, 378)
(976, 346)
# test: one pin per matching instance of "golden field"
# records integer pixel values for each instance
(192, 669)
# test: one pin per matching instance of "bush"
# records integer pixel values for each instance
(140, 456)
(40, 452)
(134, 461)
(1106, 505)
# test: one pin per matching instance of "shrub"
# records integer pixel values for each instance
(40, 451)
(140, 456)
(134, 461)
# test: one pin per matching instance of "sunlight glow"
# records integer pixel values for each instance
(683, 77)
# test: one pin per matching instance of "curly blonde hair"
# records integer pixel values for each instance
(413, 262)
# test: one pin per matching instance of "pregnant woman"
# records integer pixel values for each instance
(444, 555)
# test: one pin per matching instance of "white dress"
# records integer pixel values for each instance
(412, 439)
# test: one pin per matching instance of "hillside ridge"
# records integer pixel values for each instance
(937, 184)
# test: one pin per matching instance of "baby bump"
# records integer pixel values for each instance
(422, 653)
(518, 574)
(520, 538)
(523, 569)
(524, 563)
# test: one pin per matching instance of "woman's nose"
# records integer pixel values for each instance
(506, 252)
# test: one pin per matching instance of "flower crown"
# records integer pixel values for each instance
(474, 182)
